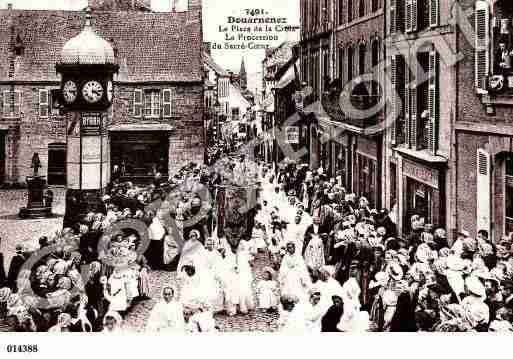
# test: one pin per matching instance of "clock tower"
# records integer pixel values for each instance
(87, 67)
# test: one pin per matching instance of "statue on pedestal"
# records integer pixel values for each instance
(36, 164)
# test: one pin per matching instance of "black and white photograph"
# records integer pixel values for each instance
(186, 167)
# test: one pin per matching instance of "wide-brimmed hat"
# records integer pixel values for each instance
(423, 253)
(395, 271)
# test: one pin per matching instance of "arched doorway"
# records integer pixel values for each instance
(57, 164)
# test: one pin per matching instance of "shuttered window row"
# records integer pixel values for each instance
(152, 103)
(413, 15)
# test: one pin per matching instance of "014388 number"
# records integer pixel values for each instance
(22, 348)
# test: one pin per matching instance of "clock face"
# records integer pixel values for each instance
(110, 90)
(92, 91)
(69, 91)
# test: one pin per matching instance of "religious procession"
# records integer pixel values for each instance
(333, 264)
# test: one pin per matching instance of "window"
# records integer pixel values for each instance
(44, 100)
(341, 65)
(325, 68)
(12, 103)
(375, 5)
(398, 80)
(350, 59)
(340, 12)
(423, 15)
(366, 178)
(374, 64)
(423, 124)
(166, 102)
(397, 15)
(138, 100)
(152, 103)
(361, 12)
(349, 10)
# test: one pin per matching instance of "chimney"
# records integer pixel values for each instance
(207, 47)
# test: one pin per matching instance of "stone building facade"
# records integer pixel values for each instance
(341, 40)
(156, 122)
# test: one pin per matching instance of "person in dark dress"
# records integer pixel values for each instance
(14, 269)
(332, 317)
(404, 316)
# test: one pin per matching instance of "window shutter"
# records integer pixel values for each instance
(414, 13)
(482, 50)
(483, 190)
(413, 105)
(43, 103)
(434, 11)
(393, 16)
(131, 99)
(37, 97)
(407, 104)
(393, 105)
(409, 24)
(433, 100)
(138, 100)
(166, 103)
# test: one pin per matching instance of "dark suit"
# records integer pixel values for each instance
(14, 269)
(3, 278)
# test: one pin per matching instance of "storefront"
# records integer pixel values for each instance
(139, 155)
(422, 193)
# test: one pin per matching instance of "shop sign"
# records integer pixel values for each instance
(421, 173)
(91, 123)
(292, 135)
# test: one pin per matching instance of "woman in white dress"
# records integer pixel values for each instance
(246, 298)
(167, 314)
(353, 320)
(115, 292)
(314, 253)
(294, 278)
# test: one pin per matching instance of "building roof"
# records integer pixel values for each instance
(214, 66)
(150, 46)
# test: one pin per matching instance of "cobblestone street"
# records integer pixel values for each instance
(14, 231)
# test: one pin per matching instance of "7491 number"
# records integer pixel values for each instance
(255, 12)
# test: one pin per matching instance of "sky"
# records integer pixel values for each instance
(215, 13)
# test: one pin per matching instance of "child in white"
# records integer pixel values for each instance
(267, 290)
(244, 257)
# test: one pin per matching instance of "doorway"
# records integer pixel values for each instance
(57, 164)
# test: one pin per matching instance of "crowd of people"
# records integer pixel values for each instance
(335, 263)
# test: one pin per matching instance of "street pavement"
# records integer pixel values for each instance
(14, 231)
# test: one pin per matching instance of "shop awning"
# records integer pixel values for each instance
(133, 127)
